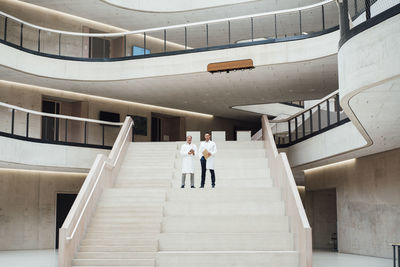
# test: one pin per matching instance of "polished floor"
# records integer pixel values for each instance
(48, 258)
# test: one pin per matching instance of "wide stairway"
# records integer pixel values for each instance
(148, 220)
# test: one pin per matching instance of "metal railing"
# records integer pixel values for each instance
(396, 255)
(30, 125)
(317, 119)
(358, 15)
(267, 27)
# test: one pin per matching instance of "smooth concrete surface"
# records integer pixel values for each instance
(28, 207)
(368, 201)
(21, 154)
(369, 82)
(48, 258)
(339, 140)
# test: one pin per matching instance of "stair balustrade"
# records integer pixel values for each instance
(283, 178)
(102, 175)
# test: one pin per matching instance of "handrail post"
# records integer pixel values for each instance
(66, 130)
(276, 28)
(394, 255)
(27, 125)
(144, 43)
(229, 32)
(5, 29)
(304, 127)
(85, 132)
(296, 128)
(185, 38)
(337, 108)
(319, 118)
(301, 31)
(328, 112)
(207, 34)
(102, 126)
(323, 17)
(289, 131)
(59, 44)
(311, 122)
(39, 41)
(21, 35)
(165, 41)
(252, 29)
(12, 120)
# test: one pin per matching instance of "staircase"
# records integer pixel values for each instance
(148, 220)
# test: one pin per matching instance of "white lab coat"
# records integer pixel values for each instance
(212, 148)
(188, 160)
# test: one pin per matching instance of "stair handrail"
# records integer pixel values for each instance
(101, 175)
(307, 109)
(282, 176)
(121, 34)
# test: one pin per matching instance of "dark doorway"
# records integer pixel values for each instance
(167, 128)
(64, 204)
(50, 125)
(99, 47)
(322, 211)
(155, 129)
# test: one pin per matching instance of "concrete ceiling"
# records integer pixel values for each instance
(101, 11)
(209, 93)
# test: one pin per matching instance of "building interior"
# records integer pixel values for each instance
(301, 98)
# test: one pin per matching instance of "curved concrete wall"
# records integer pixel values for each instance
(268, 54)
(369, 90)
(30, 155)
(369, 82)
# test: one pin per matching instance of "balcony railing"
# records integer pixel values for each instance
(262, 28)
(359, 15)
(317, 119)
(35, 126)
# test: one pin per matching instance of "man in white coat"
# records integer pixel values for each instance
(209, 163)
(188, 151)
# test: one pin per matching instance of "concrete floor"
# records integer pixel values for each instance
(48, 258)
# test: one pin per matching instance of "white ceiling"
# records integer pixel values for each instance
(210, 93)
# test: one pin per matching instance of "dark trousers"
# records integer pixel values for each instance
(203, 162)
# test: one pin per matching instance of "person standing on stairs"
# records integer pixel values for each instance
(188, 151)
(207, 159)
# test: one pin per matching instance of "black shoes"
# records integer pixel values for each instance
(202, 186)
(182, 186)
(192, 186)
(213, 186)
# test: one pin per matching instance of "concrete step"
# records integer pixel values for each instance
(224, 195)
(228, 259)
(114, 262)
(120, 234)
(128, 228)
(231, 172)
(225, 224)
(142, 183)
(131, 249)
(124, 220)
(277, 241)
(122, 241)
(229, 209)
(148, 208)
(228, 183)
(116, 255)
(229, 162)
